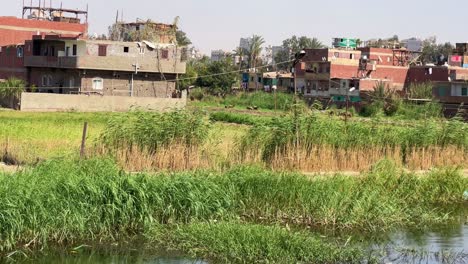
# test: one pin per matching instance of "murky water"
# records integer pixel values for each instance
(443, 244)
(90, 257)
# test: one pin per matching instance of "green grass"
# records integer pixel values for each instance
(150, 131)
(317, 130)
(264, 101)
(232, 242)
(71, 200)
(44, 135)
(239, 118)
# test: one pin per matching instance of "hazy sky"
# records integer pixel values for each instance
(218, 24)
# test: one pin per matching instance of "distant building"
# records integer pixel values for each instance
(329, 74)
(348, 43)
(275, 50)
(413, 44)
(459, 55)
(245, 43)
(453, 96)
(218, 55)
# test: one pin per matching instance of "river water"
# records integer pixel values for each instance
(444, 244)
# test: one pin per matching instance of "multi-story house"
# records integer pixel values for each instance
(70, 64)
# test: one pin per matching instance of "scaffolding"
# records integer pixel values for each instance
(402, 57)
(43, 12)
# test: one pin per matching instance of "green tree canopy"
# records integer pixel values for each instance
(293, 45)
(182, 39)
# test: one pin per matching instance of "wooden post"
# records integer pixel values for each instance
(83, 140)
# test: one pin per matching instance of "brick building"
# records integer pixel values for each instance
(326, 73)
(14, 32)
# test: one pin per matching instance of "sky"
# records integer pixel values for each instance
(219, 24)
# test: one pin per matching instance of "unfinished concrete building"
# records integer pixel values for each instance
(69, 64)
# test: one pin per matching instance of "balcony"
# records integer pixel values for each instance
(51, 62)
(110, 63)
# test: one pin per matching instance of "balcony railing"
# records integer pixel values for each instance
(111, 63)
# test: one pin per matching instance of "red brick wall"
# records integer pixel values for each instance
(396, 75)
(386, 55)
(421, 74)
(343, 71)
(18, 30)
(10, 64)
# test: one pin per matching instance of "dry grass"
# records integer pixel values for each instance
(326, 158)
(179, 157)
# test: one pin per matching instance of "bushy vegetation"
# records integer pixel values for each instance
(314, 130)
(245, 243)
(150, 131)
(70, 200)
(239, 118)
(261, 100)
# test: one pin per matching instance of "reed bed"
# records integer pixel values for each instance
(73, 200)
(310, 142)
(331, 159)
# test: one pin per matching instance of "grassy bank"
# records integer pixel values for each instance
(29, 137)
(68, 200)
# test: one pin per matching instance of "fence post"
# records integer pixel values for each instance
(83, 140)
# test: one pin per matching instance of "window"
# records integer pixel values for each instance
(351, 56)
(336, 55)
(251, 79)
(52, 51)
(165, 54)
(464, 91)
(71, 82)
(142, 50)
(44, 80)
(137, 28)
(184, 55)
(75, 50)
(259, 79)
(98, 83)
(102, 50)
(20, 52)
(126, 49)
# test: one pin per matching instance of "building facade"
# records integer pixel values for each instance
(58, 64)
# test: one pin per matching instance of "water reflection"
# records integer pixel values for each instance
(90, 257)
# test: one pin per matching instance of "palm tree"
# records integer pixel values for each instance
(254, 53)
(255, 50)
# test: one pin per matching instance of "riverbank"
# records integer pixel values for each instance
(257, 211)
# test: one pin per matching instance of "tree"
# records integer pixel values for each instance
(182, 39)
(217, 76)
(435, 53)
(11, 91)
(293, 45)
(255, 50)
(240, 52)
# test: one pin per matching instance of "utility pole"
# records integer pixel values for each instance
(137, 67)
